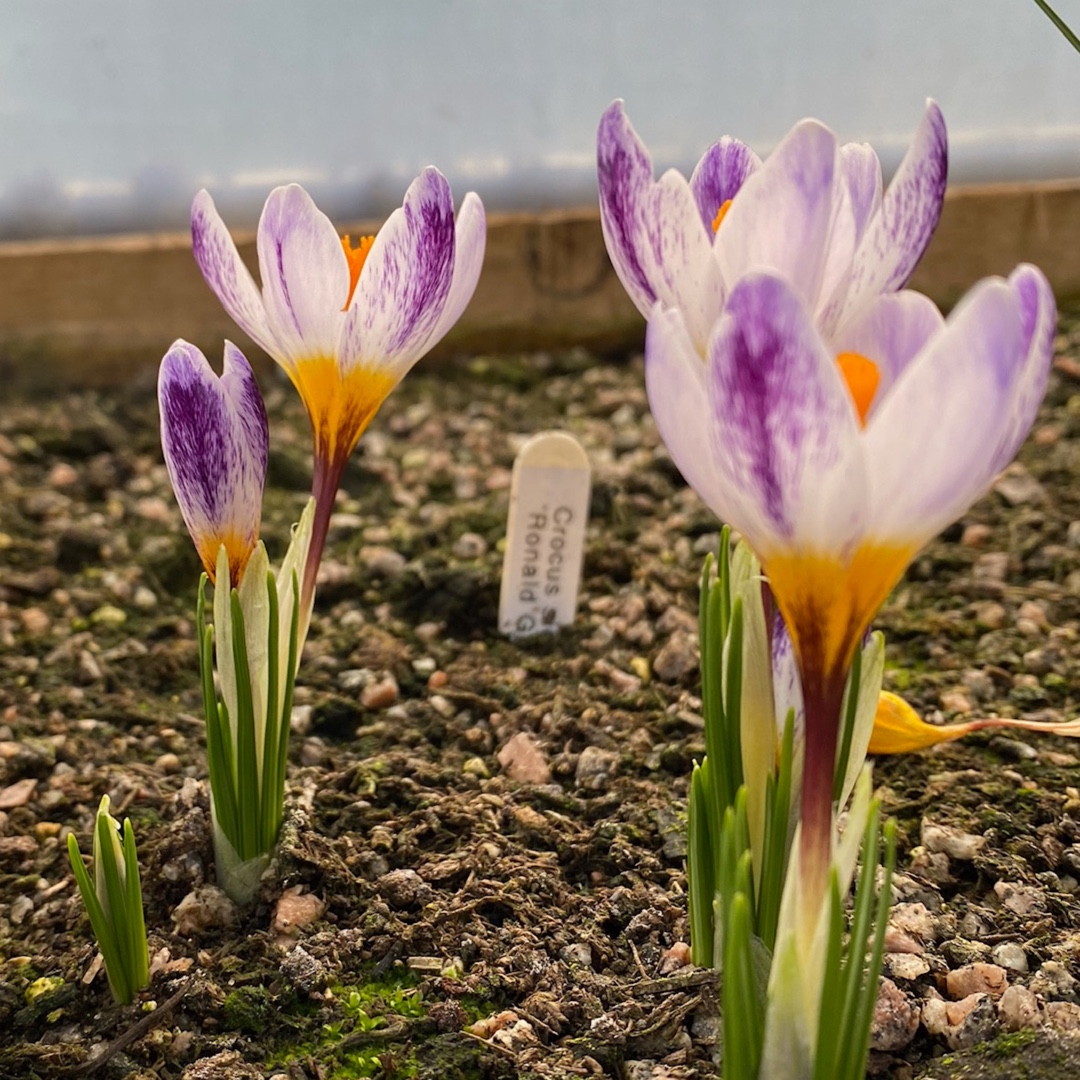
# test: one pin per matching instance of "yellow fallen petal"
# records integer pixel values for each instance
(899, 729)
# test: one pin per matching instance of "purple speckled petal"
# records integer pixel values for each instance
(1038, 321)
(215, 439)
(406, 281)
(783, 219)
(653, 231)
(305, 275)
(861, 171)
(675, 382)
(470, 235)
(225, 272)
(890, 331)
(719, 175)
(625, 174)
(897, 235)
(786, 435)
(787, 688)
(938, 439)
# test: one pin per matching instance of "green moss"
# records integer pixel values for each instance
(1007, 1044)
(249, 1010)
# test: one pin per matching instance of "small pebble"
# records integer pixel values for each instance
(144, 599)
(595, 768)
(895, 1019)
(676, 659)
(207, 908)
(971, 1021)
(1018, 1009)
(906, 966)
(675, 958)
(295, 911)
(954, 842)
(1011, 957)
(523, 760)
(978, 978)
(306, 973)
(1062, 1015)
(1052, 980)
(470, 545)
(381, 694)
(383, 561)
(975, 535)
(17, 794)
(404, 889)
(35, 621)
(1021, 899)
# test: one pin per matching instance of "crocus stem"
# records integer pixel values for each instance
(823, 696)
(324, 487)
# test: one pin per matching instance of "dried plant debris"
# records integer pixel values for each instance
(482, 865)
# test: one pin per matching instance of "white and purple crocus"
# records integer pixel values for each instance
(836, 422)
(345, 321)
(215, 439)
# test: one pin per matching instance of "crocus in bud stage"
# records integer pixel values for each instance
(836, 491)
(814, 212)
(345, 321)
(215, 439)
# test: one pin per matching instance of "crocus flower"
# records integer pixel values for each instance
(345, 322)
(836, 480)
(813, 212)
(215, 439)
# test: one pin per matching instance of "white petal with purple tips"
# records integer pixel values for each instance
(215, 439)
(898, 233)
(305, 275)
(783, 219)
(718, 176)
(931, 446)
(654, 232)
(225, 272)
(406, 280)
(785, 435)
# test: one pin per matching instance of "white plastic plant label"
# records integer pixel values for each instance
(545, 535)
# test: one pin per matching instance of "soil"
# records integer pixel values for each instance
(482, 869)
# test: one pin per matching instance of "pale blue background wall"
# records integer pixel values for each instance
(113, 112)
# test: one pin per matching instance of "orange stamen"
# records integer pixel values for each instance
(356, 257)
(725, 206)
(862, 377)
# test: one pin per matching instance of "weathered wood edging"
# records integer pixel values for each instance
(101, 311)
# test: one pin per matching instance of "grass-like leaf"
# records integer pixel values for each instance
(115, 909)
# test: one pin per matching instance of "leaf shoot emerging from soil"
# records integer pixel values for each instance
(114, 902)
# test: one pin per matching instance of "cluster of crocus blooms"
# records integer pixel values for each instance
(346, 322)
(834, 419)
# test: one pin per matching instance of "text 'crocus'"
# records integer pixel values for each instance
(345, 321)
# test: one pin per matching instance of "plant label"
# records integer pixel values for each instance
(545, 535)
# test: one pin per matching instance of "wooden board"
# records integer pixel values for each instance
(102, 311)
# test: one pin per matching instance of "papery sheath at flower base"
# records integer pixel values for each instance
(813, 212)
(837, 479)
(346, 322)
